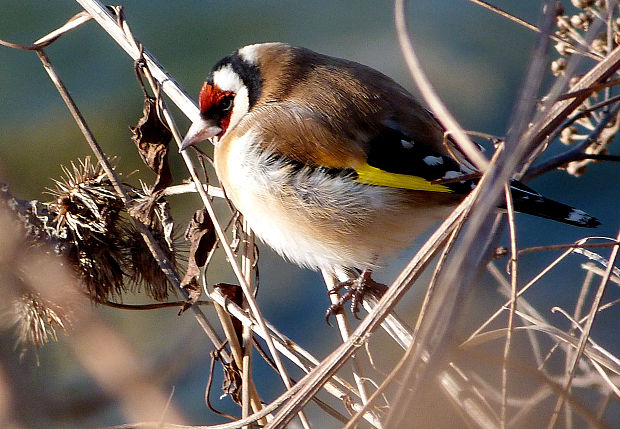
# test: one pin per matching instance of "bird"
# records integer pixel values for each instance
(333, 164)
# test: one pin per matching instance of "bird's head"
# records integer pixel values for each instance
(231, 90)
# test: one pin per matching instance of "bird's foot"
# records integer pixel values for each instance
(356, 289)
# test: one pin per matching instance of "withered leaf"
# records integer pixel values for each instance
(231, 384)
(201, 234)
(152, 137)
(235, 294)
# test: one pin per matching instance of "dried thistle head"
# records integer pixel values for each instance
(36, 321)
(35, 298)
(89, 216)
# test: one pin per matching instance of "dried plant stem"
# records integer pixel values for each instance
(532, 27)
(212, 191)
(596, 303)
(295, 353)
(428, 296)
(480, 414)
(581, 300)
(506, 290)
(547, 269)
(249, 394)
(436, 105)
(253, 398)
(576, 152)
(513, 303)
(331, 282)
(168, 84)
(74, 22)
(247, 267)
(565, 246)
(555, 116)
(592, 351)
(453, 381)
(312, 382)
(596, 270)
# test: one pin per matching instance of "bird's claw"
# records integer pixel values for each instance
(356, 290)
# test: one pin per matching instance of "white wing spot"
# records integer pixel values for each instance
(577, 216)
(451, 174)
(432, 160)
(407, 144)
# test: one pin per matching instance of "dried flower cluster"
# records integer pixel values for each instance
(37, 321)
(108, 252)
(89, 217)
(88, 224)
(589, 29)
(26, 283)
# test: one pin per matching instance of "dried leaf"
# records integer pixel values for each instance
(235, 294)
(201, 234)
(144, 270)
(231, 384)
(152, 137)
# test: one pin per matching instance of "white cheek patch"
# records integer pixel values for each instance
(241, 105)
(227, 80)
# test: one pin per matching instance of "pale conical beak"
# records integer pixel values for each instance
(200, 130)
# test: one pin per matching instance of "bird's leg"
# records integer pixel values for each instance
(355, 291)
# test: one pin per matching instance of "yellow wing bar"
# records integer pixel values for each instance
(370, 175)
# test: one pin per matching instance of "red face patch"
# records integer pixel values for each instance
(211, 96)
(216, 104)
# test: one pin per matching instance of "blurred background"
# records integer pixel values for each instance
(475, 59)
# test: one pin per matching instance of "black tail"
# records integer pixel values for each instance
(527, 200)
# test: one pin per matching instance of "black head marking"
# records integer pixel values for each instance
(249, 73)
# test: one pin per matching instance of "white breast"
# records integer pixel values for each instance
(305, 215)
(313, 217)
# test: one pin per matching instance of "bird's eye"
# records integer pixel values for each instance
(226, 104)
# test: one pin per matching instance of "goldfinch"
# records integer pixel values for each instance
(333, 164)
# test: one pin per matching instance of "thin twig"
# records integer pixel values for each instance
(506, 290)
(74, 22)
(397, 369)
(331, 282)
(596, 303)
(532, 27)
(529, 284)
(314, 380)
(295, 353)
(465, 144)
(575, 153)
(154, 306)
(513, 302)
